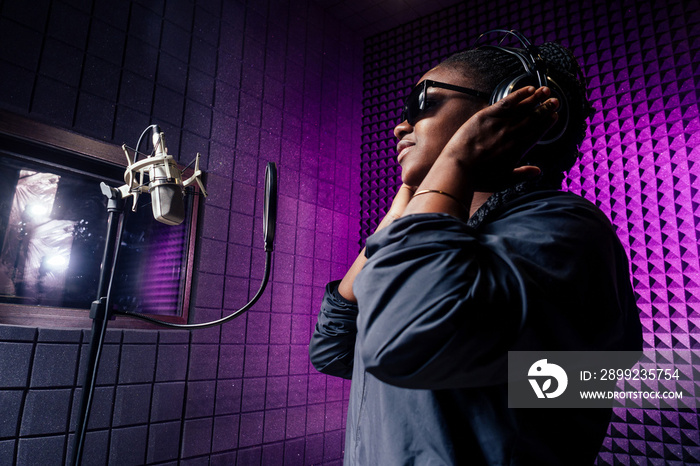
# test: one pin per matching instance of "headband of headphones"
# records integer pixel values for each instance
(534, 73)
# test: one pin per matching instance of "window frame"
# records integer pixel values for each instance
(97, 157)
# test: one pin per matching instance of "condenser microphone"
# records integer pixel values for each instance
(165, 184)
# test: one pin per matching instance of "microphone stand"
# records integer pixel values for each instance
(99, 313)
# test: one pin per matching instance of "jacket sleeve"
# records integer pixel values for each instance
(332, 344)
(442, 304)
(436, 305)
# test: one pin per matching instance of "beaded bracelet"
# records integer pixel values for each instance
(437, 191)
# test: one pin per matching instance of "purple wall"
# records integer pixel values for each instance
(243, 84)
(640, 161)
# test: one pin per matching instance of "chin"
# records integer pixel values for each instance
(411, 180)
(405, 174)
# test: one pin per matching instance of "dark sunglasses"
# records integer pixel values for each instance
(415, 103)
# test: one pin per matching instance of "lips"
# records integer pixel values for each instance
(402, 148)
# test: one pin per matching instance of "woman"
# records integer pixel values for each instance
(479, 255)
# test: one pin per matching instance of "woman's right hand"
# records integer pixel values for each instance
(398, 205)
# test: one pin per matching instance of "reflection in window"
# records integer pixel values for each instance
(52, 227)
(36, 249)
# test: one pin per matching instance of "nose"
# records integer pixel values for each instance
(402, 129)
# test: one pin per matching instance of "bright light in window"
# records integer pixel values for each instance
(57, 263)
(37, 211)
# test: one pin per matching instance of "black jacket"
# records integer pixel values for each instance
(440, 305)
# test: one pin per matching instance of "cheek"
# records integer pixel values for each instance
(417, 165)
(430, 155)
(435, 143)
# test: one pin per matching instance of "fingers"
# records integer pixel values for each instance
(547, 112)
(527, 99)
(401, 199)
(525, 172)
(412, 189)
(533, 97)
(404, 194)
(519, 174)
(517, 97)
(549, 105)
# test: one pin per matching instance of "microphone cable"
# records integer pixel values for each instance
(233, 315)
(138, 144)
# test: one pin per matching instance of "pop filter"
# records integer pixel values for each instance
(270, 205)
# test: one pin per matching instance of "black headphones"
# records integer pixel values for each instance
(534, 74)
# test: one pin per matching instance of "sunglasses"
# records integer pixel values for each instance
(415, 103)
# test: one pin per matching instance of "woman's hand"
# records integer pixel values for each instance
(398, 205)
(494, 140)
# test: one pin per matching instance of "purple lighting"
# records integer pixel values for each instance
(162, 269)
(640, 161)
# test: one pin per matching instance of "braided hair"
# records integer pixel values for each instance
(489, 67)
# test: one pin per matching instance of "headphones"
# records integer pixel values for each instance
(534, 73)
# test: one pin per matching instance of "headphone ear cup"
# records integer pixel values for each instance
(510, 85)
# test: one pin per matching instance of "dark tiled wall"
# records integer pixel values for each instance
(242, 83)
